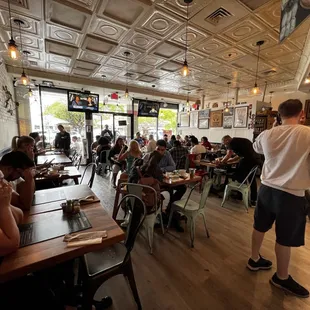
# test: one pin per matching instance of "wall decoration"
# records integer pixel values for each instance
(216, 118)
(293, 13)
(194, 119)
(241, 117)
(203, 123)
(215, 105)
(228, 118)
(184, 119)
(204, 114)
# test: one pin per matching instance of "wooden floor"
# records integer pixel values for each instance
(210, 276)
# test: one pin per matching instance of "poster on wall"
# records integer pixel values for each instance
(228, 118)
(194, 119)
(216, 118)
(184, 119)
(204, 114)
(203, 123)
(293, 13)
(241, 117)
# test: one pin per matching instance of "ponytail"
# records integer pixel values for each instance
(14, 143)
(20, 142)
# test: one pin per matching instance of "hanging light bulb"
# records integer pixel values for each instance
(12, 47)
(255, 89)
(24, 79)
(126, 93)
(30, 93)
(184, 70)
(307, 80)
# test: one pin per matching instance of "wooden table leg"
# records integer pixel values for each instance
(115, 208)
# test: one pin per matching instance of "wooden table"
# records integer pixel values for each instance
(48, 253)
(207, 164)
(70, 172)
(173, 182)
(59, 159)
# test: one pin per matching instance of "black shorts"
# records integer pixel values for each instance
(287, 210)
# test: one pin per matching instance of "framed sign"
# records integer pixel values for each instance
(228, 118)
(184, 119)
(241, 117)
(293, 13)
(194, 119)
(216, 118)
(204, 114)
(203, 123)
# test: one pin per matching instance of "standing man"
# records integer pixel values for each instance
(63, 140)
(281, 199)
(246, 159)
(151, 145)
(107, 133)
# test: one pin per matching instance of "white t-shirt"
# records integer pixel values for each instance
(287, 162)
(198, 149)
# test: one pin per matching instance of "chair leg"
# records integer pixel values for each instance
(161, 223)
(245, 198)
(192, 230)
(131, 279)
(88, 296)
(150, 236)
(205, 222)
(170, 218)
(226, 195)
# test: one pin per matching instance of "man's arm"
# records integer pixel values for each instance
(257, 145)
(9, 233)
(227, 156)
(25, 190)
(170, 164)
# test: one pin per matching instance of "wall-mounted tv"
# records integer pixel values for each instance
(148, 108)
(80, 102)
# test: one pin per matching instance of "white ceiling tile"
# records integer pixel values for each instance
(59, 59)
(91, 57)
(98, 45)
(141, 41)
(63, 34)
(211, 46)
(167, 50)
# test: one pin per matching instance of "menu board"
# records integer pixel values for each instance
(216, 118)
(228, 118)
(194, 119)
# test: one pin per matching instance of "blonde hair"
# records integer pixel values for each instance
(134, 148)
(21, 142)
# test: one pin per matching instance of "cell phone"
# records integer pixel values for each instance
(279, 120)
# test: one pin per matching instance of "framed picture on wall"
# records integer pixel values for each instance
(241, 117)
(216, 118)
(194, 119)
(228, 118)
(184, 119)
(203, 123)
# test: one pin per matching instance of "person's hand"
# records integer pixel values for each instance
(5, 194)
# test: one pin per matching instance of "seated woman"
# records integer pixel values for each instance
(129, 156)
(25, 144)
(116, 150)
(205, 142)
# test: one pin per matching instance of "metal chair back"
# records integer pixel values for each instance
(92, 167)
(248, 180)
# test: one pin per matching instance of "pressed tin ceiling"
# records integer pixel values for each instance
(88, 38)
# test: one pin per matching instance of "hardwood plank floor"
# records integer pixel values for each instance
(210, 276)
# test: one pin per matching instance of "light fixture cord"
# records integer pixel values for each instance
(126, 71)
(227, 96)
(257, 64)
(10, 17)
(186, 32)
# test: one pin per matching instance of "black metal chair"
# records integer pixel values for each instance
(103, 163)
(77, 161)
(93, 167)
(98, 267)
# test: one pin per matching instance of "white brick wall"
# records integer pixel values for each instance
(8, 122)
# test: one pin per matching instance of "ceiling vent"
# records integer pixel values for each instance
(270, 72)
(218, 16)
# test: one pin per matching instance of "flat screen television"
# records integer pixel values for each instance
(122, 123)
(148, 108)
(80, 102)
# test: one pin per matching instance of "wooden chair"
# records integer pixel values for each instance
(98, 267)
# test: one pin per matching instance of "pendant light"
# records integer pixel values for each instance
(271, 93)
(12, 47)
(24, 80)
(255, 89)
(185, 70)
(227, 105)
(126, 91)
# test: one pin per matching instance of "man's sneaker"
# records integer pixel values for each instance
(261, 264)
(290, 285)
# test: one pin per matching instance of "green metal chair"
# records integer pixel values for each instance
(192, 209)
(244, 188)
